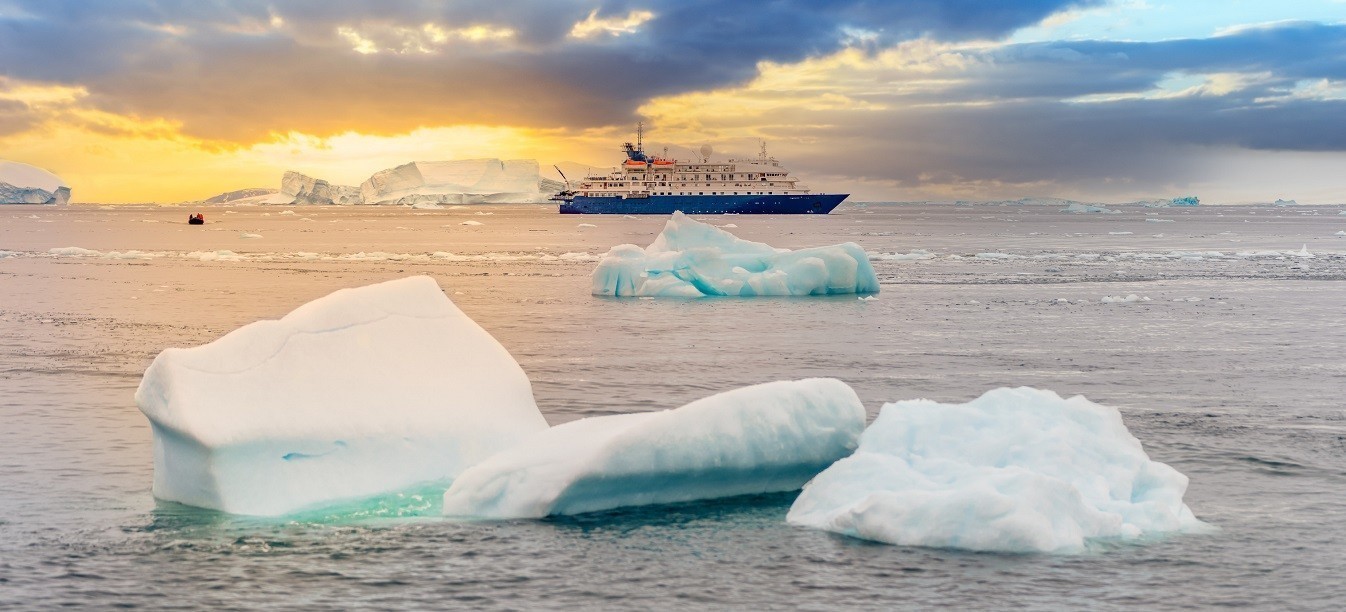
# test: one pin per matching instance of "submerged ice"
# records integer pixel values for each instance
(691, 259)
(361, 392)
(1016, 470)
(764, 438)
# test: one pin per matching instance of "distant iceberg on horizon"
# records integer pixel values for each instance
(26, 184)
(421, 184)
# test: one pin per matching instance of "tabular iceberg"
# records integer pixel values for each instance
(691, 259)
(25, 184)
(361, 392)
(456, 182)
(308, 190)
(1016, 470)
(759, 439)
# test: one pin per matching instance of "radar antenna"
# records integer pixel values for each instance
(640, 136)
(763, 154)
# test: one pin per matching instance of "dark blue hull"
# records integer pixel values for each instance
(805, 204)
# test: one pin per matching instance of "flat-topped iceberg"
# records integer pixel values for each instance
(1016, 470)
(691, 259)
(759, 439)
(457, 182)
(361, 392)
(25, 184)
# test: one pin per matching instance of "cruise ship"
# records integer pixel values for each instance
(648, 184)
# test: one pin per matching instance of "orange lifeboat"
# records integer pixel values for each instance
(632, 164)
(663, 163)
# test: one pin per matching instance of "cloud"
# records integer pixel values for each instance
(243, 71)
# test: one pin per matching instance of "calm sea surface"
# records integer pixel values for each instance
(1234, 372)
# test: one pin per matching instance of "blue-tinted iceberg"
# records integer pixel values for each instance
(1016, 470)
(691, 259)
(361, 392)
(759, 439)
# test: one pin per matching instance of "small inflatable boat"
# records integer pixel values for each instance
(196, 219)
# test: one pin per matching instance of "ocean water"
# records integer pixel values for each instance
(1234, 372)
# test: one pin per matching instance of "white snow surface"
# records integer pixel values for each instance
(760, 439)
(1016, 470)
(693, 259)
(361, 392)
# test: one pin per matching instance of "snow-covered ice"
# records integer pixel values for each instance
(1016, 470)
(759, 439)
(361, 392)
(693, 259)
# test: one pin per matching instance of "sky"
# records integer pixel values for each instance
(172, 100)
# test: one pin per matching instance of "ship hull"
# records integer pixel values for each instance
(803, 204)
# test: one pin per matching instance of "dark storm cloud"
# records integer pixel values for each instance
(220, 70)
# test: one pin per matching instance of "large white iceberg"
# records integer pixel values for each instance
(308, 190)
(25, 184)
(361, 392)
(1016, 470)
(692, 259)
(456, 182)
(759, 439)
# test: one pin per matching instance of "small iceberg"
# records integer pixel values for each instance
(692, 259)
(760, 439)
(362, 392)
(1080, 207)
(1185, 201)
(1016, 470)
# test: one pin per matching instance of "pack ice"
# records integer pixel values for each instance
(361, 392)
(759, 439)
(692, 259)
(1016, 470)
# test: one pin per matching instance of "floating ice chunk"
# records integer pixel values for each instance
(74, 252)
(1080, 207)
(1303, 252)
(1016, 470)
(249, 236)
(1120, 233)
(357, 393)
(587, 225)
(916, 255)
(471, 223)
(868, 298)
(1340, 233)
(997, 256)
(1129, 299)
(694, 259)
(286, 212)
(759, 439)
(1159, 221)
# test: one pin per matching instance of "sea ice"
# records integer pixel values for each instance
(693, 259)
(361, 392)
(759, 439)
(1016, 470)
